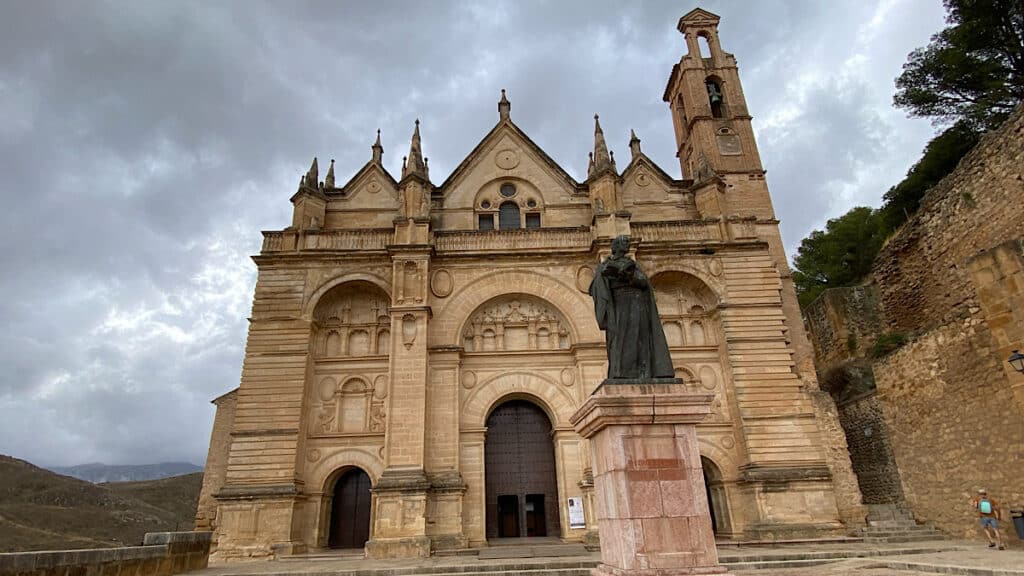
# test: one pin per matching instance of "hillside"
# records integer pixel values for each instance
(121, 473)
(41, 510)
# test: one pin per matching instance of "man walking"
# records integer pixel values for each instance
(990, 514)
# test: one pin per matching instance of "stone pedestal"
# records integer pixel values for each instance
(652, 507)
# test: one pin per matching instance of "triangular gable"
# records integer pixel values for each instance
(700, 16)
(643, 160)
(644, 182)
(371, 178)
(491, 139)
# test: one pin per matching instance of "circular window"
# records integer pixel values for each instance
(531, 203)
(508, 190)
(485, 204)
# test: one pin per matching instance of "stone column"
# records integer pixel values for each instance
(651, 504)
(401, 492)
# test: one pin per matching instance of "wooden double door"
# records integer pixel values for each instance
(350, 511)
(521, 484)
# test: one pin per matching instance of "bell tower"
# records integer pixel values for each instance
(714, 137)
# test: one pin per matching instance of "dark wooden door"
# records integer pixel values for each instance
(519, 462)
(350, 511)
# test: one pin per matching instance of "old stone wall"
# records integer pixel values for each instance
(216, 461)
(921, 273)
(162, 554)
(955, 424)
(870, 451)
(940, 417)
(843, 323)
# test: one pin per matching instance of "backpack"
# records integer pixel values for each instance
(985, 506)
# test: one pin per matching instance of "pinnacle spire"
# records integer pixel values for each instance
(504, 106)
(378, 150)
(313, 175)
(415, 164)
(329, 179)
(602, 160)
(634, 144)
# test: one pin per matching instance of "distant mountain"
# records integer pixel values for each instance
(40, 510)
(97, 473)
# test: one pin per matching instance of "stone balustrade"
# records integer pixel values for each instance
(471, 241)
(162, 554)
(327, 240)
(697, 231)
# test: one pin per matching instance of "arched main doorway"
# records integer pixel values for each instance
(350, 510)
(716, 497)
(521, 485)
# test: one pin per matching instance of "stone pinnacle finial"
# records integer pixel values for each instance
(602, 160)
(415, 163)
(378, 150)
(634, 144)
(329, 179)
(504, 106)
(313, 175)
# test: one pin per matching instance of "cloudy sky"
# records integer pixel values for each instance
(144, 145)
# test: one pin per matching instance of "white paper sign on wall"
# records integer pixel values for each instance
(576, 519)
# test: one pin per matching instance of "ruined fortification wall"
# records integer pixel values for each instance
(953, 410)
(921, 273)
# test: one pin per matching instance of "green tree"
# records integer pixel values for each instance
(971, 72)
(841, 255)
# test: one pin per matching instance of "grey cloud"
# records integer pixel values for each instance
(145, 144)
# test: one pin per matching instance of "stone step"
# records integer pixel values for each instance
(905, 539)
(910, 531)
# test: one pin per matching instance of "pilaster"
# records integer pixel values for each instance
(400, 526)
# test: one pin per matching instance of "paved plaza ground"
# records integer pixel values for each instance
(804, 559)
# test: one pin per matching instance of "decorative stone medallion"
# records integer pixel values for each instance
(715, 267)
(642, 179)
(708, 378)
(568, 377)
(373, 186)
(507, 159)
(380, 387)
(441, 283)
(313, 455)
(468, 379)
(326, 389)
(728, 442)
(584, 276)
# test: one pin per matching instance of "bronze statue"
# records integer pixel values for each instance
(626, 311)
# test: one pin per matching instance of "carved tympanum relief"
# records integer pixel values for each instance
(352, 320)
(351, 408)
(687, 308)
(516, 322)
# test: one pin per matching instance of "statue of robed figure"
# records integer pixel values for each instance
(626, 311)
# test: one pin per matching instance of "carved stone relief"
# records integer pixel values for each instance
(518, 322)
(352, 320)
(351, 408)
(688, 310)
(441, 283)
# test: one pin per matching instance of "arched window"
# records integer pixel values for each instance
(508, 216)
(715, 97)
(704, 45)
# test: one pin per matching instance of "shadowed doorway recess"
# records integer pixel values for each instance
(521, 483)
(350, 510)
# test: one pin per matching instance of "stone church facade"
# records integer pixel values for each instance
(416, 349)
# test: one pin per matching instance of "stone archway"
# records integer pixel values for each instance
(521, 484)
(349, 524)
(717, 502)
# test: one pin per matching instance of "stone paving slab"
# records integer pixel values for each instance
(946, 557)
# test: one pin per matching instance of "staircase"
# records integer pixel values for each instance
(891, 523)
